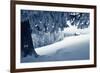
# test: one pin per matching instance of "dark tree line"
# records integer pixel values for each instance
(50, 21)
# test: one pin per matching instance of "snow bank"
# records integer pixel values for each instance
(71, 48)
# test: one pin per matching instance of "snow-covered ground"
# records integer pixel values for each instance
(70, 48)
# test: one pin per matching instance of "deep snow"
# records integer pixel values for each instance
(70, 48)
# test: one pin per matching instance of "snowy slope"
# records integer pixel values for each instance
(71, 48)
(67, 42)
